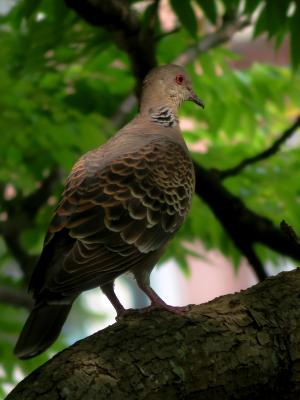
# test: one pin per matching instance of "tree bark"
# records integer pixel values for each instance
(240, 346)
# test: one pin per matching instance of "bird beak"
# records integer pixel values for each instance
(195, 99)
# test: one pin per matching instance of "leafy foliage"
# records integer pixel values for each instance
(62, 81)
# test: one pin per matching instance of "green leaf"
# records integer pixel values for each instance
(149, 13)
(186, 15)
(209, 9)
(276, 16)
(273, 20)
(60, 10)
(261, 22)
(251, 5)
(23, 9)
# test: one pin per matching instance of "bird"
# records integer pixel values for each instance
(121, 205)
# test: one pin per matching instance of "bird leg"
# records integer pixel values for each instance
(143, 281)
(109, 292)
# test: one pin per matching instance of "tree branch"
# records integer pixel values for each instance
(243, 225)
(273, 149)
(15, 297)
(241, 346)
(21, 212)
(248, 251)
(112, 15)
(212, 40)
(121, 21)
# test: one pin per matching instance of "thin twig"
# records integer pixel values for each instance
(166, 34)
(290, 232)
(212, 40)
(253, 259)
(273, 149)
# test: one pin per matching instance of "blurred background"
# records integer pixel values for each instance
(70, 75)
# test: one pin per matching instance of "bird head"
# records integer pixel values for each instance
(168, 86)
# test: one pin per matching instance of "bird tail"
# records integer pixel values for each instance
(41, 329)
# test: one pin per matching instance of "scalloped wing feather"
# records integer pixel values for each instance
(120, 214)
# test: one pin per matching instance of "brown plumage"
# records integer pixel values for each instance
(121, 205)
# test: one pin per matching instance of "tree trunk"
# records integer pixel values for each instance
(241, 346)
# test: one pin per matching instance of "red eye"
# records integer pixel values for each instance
(179, 79)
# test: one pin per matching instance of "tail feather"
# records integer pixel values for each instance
(41, 329)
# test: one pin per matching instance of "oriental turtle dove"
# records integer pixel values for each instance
(121, 205)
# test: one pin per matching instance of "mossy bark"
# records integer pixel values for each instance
(241, 346)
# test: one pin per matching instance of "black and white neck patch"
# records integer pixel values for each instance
(164, 116)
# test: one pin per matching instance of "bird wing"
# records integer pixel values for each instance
(117, 215)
